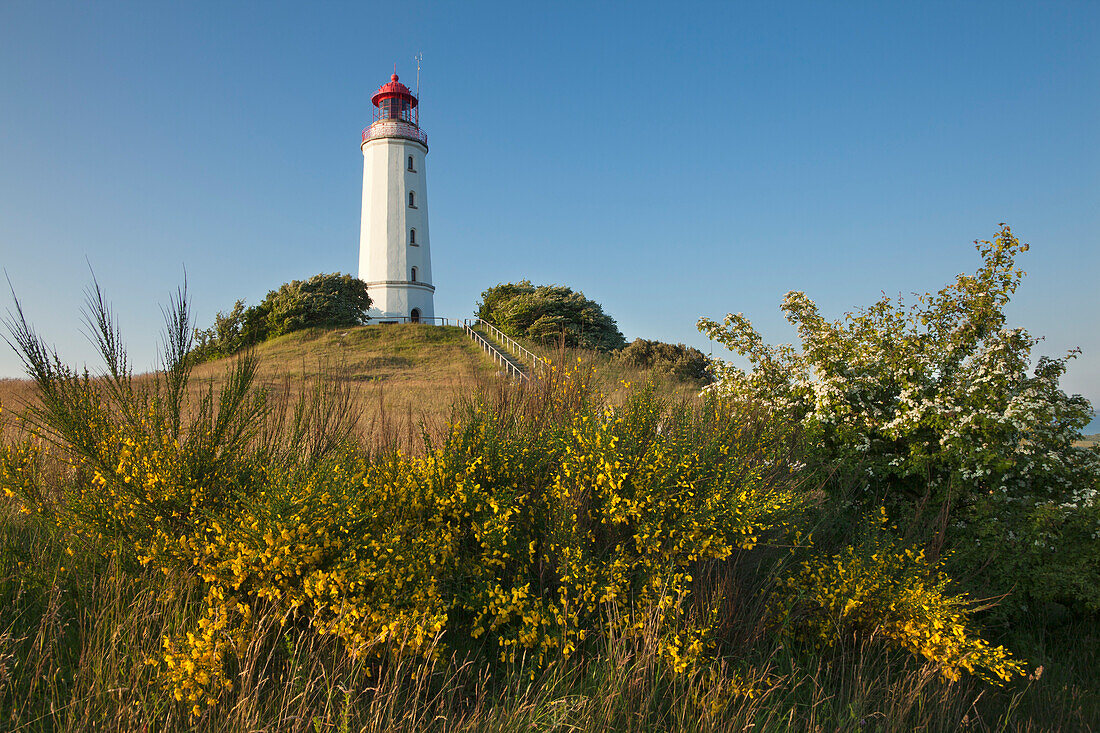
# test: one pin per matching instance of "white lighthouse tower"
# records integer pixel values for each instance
(394, 252)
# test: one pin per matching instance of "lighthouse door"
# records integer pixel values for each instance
(415, 315)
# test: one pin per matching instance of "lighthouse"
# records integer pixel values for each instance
(394, 248)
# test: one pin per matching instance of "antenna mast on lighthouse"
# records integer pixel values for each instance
(419, 57)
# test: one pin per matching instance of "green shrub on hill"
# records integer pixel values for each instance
(324, 300)
(550, 313)
(678, 360)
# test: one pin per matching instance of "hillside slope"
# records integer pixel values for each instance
(398, 354)
(402, 378)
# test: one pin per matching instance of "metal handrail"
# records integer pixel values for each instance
(509, 342)
(498, 357)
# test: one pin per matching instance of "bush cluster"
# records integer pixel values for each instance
(550, 313)
(322, 301)
(678, 360)
(537, 528)
(527, 538)
(934, 409)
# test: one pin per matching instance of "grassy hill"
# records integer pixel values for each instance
(401, 379)
(404, 353)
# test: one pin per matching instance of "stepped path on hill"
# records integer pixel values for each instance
(513, 357)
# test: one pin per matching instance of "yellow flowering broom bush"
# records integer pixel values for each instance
(521, 543)
(538, 522)
(882, 587)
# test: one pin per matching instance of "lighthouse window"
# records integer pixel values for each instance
(411, 164)
(412, 199)
(413, 275)
(412, 237)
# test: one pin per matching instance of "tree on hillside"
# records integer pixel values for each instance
(678, 360)
(550, 312)
(322, 301)
(326, 301)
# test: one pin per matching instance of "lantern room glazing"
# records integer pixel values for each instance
(394, 101)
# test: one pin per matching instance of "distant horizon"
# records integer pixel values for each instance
(668, 167)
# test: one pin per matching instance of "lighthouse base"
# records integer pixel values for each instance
(403, 301)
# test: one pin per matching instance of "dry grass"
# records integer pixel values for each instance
(14, 393)
(403, 379)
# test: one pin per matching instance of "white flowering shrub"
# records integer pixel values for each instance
(933, 407)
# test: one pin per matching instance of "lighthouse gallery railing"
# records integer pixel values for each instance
(395, 128)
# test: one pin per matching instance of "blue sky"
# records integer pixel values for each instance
(670, 161)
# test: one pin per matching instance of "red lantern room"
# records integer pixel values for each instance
(394, 101)
(396, 114)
